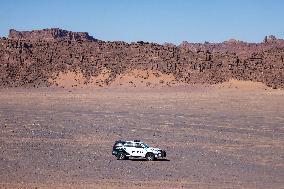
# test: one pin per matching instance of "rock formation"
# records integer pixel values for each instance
(49, 35)
(38, 58)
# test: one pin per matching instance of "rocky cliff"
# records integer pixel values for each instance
(49, 35)
(40, 58)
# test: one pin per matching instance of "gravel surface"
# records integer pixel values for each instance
(213, 138)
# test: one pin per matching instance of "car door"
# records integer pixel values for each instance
(139, 150)
(130, 148)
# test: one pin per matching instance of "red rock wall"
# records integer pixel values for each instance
(49, 35)
(28, 62)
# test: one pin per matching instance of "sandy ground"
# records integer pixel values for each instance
(132, 78)
(215, 138)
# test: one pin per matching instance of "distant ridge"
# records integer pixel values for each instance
(56, 57)
(50, 34)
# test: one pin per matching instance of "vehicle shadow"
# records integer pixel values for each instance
(146, 160)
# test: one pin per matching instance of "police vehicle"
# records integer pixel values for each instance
(136, 149)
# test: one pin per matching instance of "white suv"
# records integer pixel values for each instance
(136, 149)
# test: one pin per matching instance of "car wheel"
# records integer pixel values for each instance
(121, 156)
(150, 157)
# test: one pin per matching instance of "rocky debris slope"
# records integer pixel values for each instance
(39, 58)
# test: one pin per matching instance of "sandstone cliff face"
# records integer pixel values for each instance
(31, 60)
(49, 35)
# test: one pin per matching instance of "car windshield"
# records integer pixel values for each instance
(145, 145)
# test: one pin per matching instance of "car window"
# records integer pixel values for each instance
(129, 144)
(145, 145)
(118, 144)
(137, 145)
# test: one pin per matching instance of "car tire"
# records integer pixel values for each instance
(121, 156)
(150, 157)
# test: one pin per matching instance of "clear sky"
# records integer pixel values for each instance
(159, 21)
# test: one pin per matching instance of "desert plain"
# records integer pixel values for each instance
(223, 136)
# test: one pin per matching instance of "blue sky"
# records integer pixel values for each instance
(158, 21)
